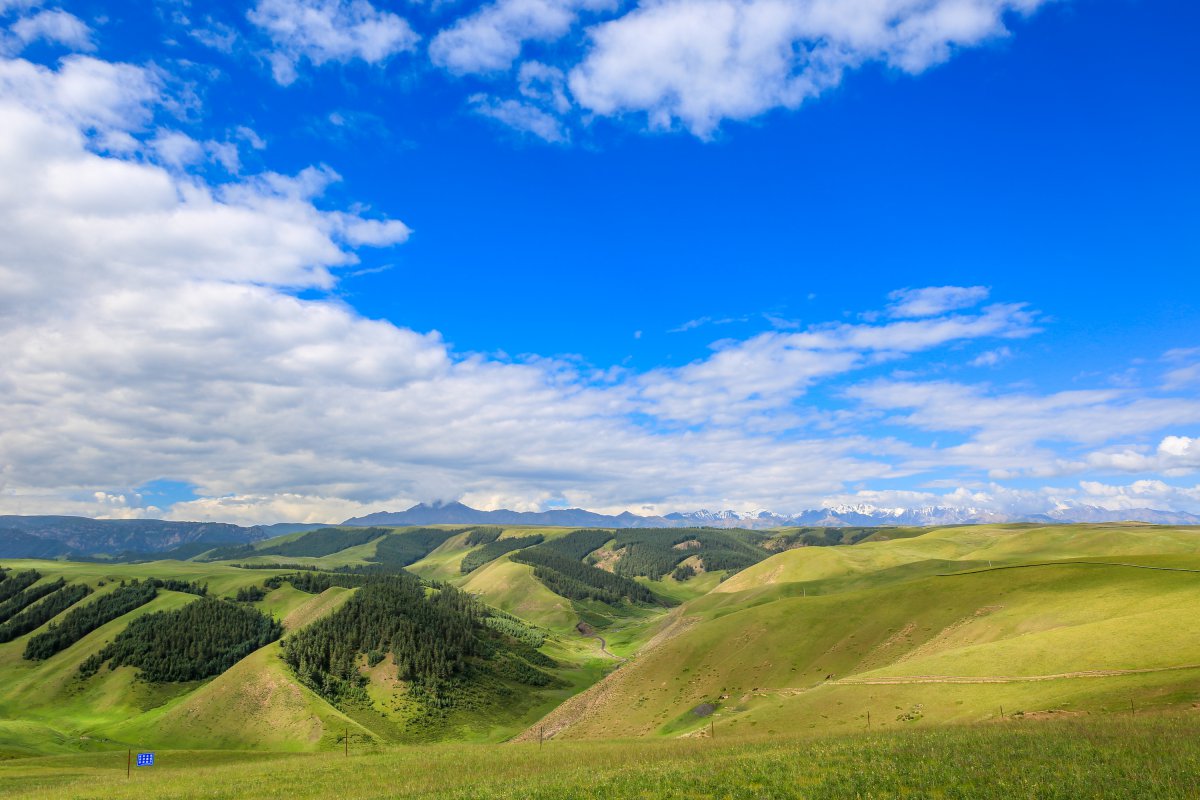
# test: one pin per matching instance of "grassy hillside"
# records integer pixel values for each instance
(44, 707)
(950, 626)
(919, 631)
(259, 703)
(1077, 759)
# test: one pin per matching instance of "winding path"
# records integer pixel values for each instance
(589, 633)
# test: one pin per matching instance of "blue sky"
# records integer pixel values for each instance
(302, 259)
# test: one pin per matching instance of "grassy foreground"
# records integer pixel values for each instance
(1149, 756)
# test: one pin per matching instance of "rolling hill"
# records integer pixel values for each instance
(945, 627)
(738, 633)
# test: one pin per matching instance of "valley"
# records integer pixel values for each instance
(372, 639)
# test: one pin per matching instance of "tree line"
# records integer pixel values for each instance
(35, 616)
(496, 548)
(176, 585)
(316, 582)
(28, 595)
(17, 582)
(654, 552)
(401, 549)
(324, 542)
(79, 622)
(578, 581)
(436, 638)
(820, 537)
(577, 544)
(200, 640)
(483, 535)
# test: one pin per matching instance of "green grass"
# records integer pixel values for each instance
(923, 631)
(761, 645)
(1151, 756)
(511, 587)
(54, 711)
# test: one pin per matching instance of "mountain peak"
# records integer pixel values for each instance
(857, 514)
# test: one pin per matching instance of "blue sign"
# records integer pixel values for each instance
(145, 759)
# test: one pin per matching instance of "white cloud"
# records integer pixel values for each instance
(1140, 494)
(1010, 434)
(769, 371)
(544, 84)
(490, 39)
(700, 62)
(56, 26)
(149, 328)
(84, 92)
(329, 30)
(177, 149)
(521, 116)
(217, 35)
(933, 300)
(1187, 370)
(271, 508)
(990, 358)
(1175, 455)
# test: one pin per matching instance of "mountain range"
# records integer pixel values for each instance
(145, 539)
(835, 516)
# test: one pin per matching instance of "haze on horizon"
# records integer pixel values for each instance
(304, 260)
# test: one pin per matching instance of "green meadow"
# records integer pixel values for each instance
(980, 661)
(1147, 756)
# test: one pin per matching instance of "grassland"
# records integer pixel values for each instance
(945, 628)
(1148, 756)
(988, 661)
(258, 704)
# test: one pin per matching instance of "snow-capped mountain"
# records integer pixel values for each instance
(864, 515)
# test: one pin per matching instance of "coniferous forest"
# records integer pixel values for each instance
(27, 595)
(436, 638)
(496, 548)
(200, 640)
(12, 583)
(46, 609)
(401, 549)
(654, 552)
(81, 621)
(578, 581)
(577, 544)
(324, 541)
(313, 582)
(483, 535)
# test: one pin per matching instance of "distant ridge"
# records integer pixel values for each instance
(144, 539)
(836, 516)
(61, 536)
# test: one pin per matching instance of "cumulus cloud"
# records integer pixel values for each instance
(538, 111)
(1140, 494)
(55, 26)
(148, 329)
(933, 300)
(699, 62)
(521, 116)
(151, 327)
(329, 30)
(491, 38)
(1175, 455)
